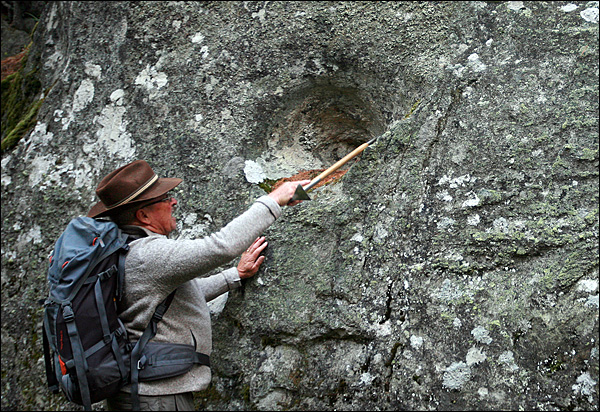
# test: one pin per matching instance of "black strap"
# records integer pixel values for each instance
(202, 359)
(107, 336)
(121, 272)
(136, 353)
(102, 311)
(80, 363)
(50, 366)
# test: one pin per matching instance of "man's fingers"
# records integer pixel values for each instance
(258, 245)
(255, 244)
(258, 262)
(261, 247)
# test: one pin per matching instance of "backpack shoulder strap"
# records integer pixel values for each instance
(136, 353)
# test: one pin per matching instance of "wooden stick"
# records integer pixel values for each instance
(338, 164)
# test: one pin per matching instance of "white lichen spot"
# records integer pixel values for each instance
(93, 70)
(226, 114)
(204, 50)
(508, 360)
(366, 379)
(382, 330)
(475, 63)
(38, 169)
(590, 15)
(473, 201)
(515, 5)
(593, 301)
(444, 196)
(585, 386)
(117, 97)
(190, 219)
(483, 392)
(152, 80)
(587, 285)
(454, 255)
(112, 137)
(481, 335)
(82, 174)
(33, 235)
(254, 172)
(188, 229)
(260, 14)
(457, 69)
(456, 375)
(445, 222)
(567, 8)
(357, 237)
(6, 179)
(501, 225)
(197, 38)
(380, 232)
(449, 292)
(457, 181)
(83, 96)
(38, 139)
(473, 220)
(416, 342)
(456, 323)
(475, 356)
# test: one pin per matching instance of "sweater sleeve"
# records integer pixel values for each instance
(215, 285)
(167, 263)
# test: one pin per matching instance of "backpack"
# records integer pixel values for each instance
(87, 351)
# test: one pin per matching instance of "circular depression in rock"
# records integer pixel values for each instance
(318, 126)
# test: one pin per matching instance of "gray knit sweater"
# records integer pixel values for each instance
(157, 265)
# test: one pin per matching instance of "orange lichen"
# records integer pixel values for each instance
(12, 64)
(309, 175)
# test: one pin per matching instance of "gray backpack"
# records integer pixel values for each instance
(88, 354)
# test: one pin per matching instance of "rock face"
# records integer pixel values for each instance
(453, 267)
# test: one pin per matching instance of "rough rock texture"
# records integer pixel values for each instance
(453, 267)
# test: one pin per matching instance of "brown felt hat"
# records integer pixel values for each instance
(133, 183)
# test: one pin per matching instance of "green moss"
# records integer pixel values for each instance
(267, 185)
(26, 123)
(20, 105)
(589, 154)
(412, 109)
(565, 274)
(495, 323)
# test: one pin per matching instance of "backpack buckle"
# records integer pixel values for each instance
(142, 362)
(68, 314)
(108, 273)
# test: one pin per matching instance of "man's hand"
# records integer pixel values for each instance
(251, 260)
(284, 193)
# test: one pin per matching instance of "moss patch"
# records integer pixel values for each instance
(20, 104)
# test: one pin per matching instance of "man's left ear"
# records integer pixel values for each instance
(142, 216)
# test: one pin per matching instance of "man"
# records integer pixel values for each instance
(140, 203)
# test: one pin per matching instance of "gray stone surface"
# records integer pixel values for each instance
(455, 265)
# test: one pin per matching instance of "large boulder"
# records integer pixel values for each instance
(454, 266)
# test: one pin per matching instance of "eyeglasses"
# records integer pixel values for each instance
(167, 198)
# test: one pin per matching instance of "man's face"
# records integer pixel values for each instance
(161, 215)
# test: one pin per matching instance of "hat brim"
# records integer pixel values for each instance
(162, 186)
